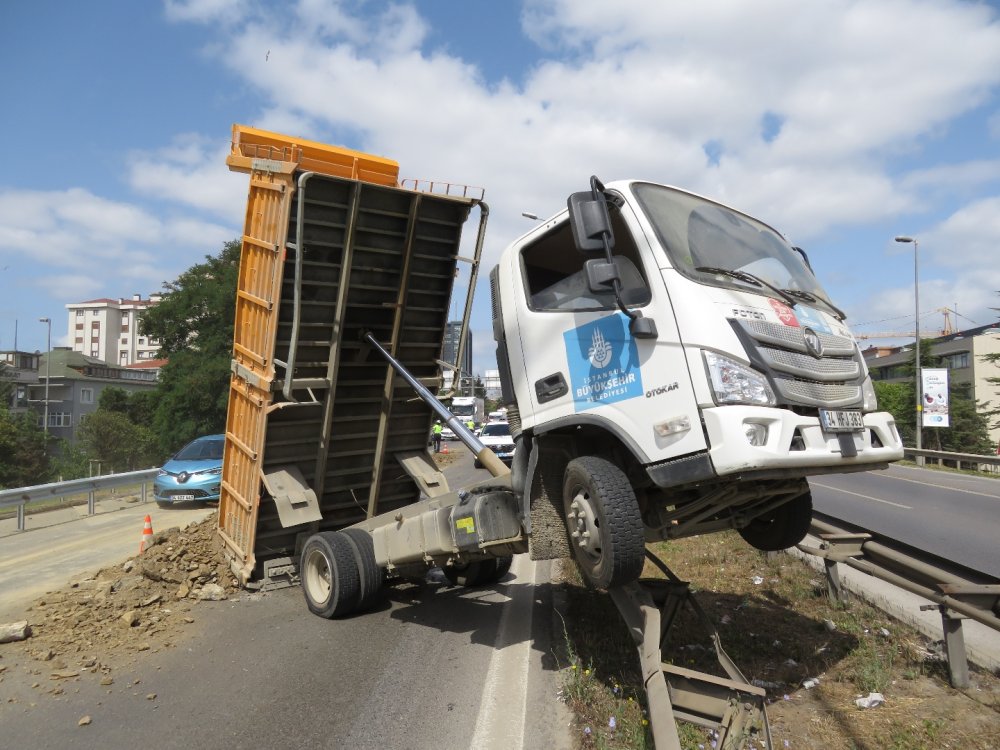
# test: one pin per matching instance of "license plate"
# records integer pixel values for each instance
(182, 498)
(841, 421)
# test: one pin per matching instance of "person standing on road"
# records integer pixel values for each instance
(437, 436)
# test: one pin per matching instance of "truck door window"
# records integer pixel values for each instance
(555, 279)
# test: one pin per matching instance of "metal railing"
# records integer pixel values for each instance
(19, 497)
(956, 592)
(972, 460)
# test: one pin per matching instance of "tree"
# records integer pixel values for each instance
(24, 460)
(120, 445)
(194, 323)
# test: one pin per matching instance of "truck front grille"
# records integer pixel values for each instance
(831, 380)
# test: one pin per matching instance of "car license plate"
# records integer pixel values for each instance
(182, 498)
(841, 421)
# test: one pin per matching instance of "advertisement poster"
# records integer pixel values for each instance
(934, 396)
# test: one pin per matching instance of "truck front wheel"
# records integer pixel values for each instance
(603, 521)
(781, 528)
(329, 573)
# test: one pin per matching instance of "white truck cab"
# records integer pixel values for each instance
(689, 348)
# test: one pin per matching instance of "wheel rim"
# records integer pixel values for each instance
(318, 578)
(584, 527)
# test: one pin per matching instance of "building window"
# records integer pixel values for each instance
(60, 419)
(79, 313)
(86, 395)
(124, 339)
(79, 326)
(94, 313)
(957, 361)
(123, 358)
(95, 352)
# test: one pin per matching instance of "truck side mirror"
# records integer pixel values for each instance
(588, 216)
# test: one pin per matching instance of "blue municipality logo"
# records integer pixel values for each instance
(808, 317)
(603, 362)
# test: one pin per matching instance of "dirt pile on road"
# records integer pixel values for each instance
(141, 605)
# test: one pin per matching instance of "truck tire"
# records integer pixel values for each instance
(479, 572)
(371, 576)
(603, 521)
(782, 527)
(329, 573)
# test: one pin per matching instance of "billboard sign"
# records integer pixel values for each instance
(934, 396)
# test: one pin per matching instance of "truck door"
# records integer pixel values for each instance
(581, 364)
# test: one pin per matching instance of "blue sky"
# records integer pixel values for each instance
(840, 123)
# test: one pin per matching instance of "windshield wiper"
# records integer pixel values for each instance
(749, 278)
(812, 297)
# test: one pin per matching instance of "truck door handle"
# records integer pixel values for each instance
(551, 387)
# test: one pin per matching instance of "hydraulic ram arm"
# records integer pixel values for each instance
(487, 457)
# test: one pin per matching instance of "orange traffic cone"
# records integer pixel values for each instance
(444, 447)
(147, 533)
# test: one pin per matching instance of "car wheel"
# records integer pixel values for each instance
(603, 521)
(330, 579)
(782, 527)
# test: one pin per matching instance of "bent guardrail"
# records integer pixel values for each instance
(19, 497)
(954, 591)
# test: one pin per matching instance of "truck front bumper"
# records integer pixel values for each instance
(793, 441)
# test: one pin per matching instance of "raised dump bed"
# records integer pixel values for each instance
(320, 434)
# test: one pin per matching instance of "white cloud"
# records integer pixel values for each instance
(190, 171)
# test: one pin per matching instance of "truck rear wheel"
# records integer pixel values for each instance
(329, 573)
(603, 521)
(370, 575)
(782, 527)
(478, 572)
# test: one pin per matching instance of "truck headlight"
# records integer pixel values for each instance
(735, 383)
(870, 400)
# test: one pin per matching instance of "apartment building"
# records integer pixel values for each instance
(961, 352)
(108, 329)
(75, 383)
(21, 370)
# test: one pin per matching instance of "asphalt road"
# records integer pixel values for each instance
(62, 544)
(433, 666)
(954, 516)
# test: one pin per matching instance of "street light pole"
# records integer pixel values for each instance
(48, 364)
(916, 329)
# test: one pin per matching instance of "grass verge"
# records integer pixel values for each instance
(777, 624)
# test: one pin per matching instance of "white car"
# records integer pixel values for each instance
(496, 436)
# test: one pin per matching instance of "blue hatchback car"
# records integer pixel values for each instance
(193, 474)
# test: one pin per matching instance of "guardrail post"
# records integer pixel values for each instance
(142, 497)
(20, 517)
(91, 505)
(954, 645)
(841, 547)
(835, 592)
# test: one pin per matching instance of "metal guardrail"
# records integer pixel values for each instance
(956, 592)
(959, 458)
(19, 497)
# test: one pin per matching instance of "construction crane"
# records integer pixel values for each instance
(946, 330)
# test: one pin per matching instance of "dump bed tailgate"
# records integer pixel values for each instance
(316, 420)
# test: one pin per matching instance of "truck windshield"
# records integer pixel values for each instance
(708, 242)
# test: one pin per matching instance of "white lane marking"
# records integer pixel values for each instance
(931, 484)
(503, 707)
(858, 494)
